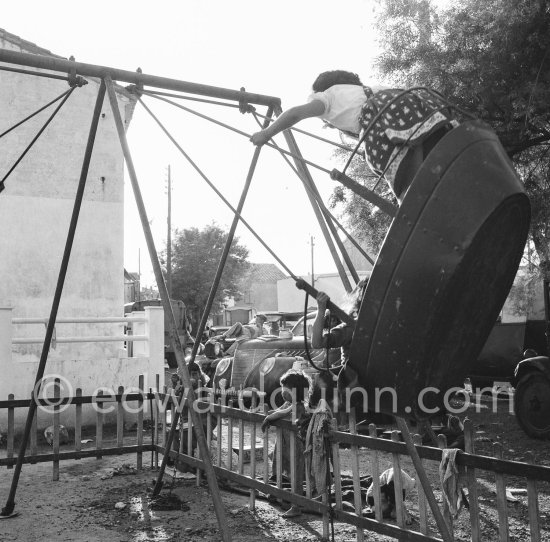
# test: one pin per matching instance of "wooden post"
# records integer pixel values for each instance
(375, 471)
(230, 438)
(442, 444)
(78, 424)
(139, 424)
(220, 435)
(423, 477)
(356, 474)
(120, 420)
(533, 504)
(422, 508)
(472, 482)
(252, 501)
(11, 429)
(398, 484)
(56, 396)
(241, 446)
(502, 503)
(336, 469)
(99, 425)
(34, 432)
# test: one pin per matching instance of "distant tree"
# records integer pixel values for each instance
(195, 258)
(491, 57)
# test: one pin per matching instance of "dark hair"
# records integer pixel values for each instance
(354, 298)
(194, 368)
(335, 77)
(298, 381)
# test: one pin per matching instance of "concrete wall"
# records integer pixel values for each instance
(89, 374)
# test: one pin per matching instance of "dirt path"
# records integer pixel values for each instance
(82, 505)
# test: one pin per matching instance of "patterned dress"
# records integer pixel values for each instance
(395, 121)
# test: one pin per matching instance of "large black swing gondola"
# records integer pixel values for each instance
(442, 274)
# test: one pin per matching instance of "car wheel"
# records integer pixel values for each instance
(532, 404)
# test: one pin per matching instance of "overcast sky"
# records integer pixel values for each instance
(274, 48)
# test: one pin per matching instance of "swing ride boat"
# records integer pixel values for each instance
(442, 274)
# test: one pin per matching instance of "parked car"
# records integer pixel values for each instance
(260, 363)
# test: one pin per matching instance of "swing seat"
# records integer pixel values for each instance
(442, 275)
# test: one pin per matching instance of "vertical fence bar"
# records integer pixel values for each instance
(230, 437)
(266, 451)
(241, 446)
(375, 470)
(252, 500)
(293, 477)
(472, 482)
(220, 435)
(99, 424)
(336, 468)
(139, 424)
(164, 422)
(356, 474)
(442, 444)
(502, 503)
(33, 435)
(78, 423)
(156, 411)
(422, 505)
(11, 430)
(56, 395)
(120, 420)
(398, 483)
(152, 421)
(533, 504)
(278, 456)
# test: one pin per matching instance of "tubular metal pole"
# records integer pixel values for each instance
(212, 293)
(10, 503)
(230, 236)
(174, 337)
(92, 70)
(306, 177)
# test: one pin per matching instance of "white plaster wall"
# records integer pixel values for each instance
(36, 206)
(35, 211)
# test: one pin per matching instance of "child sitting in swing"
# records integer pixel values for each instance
(396, 142)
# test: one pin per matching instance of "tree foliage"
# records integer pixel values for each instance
(195, 258)
(491, 57)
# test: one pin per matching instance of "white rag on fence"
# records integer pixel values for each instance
(450, 480)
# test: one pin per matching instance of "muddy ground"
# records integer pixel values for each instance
(103, 500)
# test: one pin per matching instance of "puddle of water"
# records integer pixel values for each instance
(138, 506)
(157, 534)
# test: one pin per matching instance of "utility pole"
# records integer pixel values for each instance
(312, 273)
(169, 238)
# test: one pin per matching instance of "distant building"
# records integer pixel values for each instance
(259, 287)
(131, 287)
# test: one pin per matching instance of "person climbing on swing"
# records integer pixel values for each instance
(396, 144)
(341, 335)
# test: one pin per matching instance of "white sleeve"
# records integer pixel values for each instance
(320, 97)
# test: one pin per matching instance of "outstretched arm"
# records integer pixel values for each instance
(281, 412)
(289, 118)
(317, 340)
